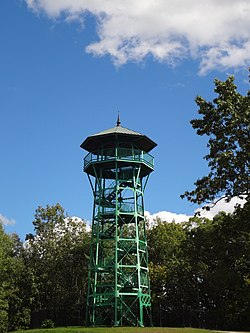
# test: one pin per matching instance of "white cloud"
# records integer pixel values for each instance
(6, 221)
(169, 217)
(221, 206)
(80, 221)
(165, 216)
(217, 33)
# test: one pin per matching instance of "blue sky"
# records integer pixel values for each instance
(67, 67)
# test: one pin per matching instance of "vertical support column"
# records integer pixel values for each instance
(116, 244)
(136, 174)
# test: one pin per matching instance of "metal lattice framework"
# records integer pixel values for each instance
(118, 282)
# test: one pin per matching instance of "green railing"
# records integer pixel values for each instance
(123, 208)
(119, 154)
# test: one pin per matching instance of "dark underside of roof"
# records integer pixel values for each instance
(94, 142)
(118, 136)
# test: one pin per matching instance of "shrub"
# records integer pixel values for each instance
(47, 323)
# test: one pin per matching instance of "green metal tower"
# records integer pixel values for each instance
(118, 166)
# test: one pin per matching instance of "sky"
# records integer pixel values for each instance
(68, 66)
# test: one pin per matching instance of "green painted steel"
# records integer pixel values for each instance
(118, 281)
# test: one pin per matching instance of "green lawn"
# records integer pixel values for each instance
(116, 330)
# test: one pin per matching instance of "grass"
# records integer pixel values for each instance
(116, 330)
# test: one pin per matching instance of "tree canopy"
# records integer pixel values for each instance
(57, 255)
(200, 271)
(226, 121)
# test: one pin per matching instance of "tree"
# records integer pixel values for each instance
(14, 305)
(5, 251)
(200, 271)
(57, 255)
(20, 289)
(226, 122)
(167, 272)
(217, 253)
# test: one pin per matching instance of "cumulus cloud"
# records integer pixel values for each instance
(216, 33)
(80, 221)
(221, 206)
(165, 216)
(6, 221)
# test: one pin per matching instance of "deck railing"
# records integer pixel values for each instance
(119, 154)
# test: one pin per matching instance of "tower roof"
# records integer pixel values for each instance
(118, 133)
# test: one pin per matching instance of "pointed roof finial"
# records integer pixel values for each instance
(118, 123)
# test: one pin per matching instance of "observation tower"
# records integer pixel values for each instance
(118, 165)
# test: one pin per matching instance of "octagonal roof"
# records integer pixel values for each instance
(123, 135)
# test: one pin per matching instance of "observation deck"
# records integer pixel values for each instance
(108, 160)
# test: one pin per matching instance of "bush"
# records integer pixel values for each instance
(47, 323)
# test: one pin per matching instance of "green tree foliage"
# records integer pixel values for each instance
(14, 305)
(221, 267)
(200, 271)
(5, 258)
(167, 270)
(219, 271)
(57, 255)
(226, 121)
(20, 297)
